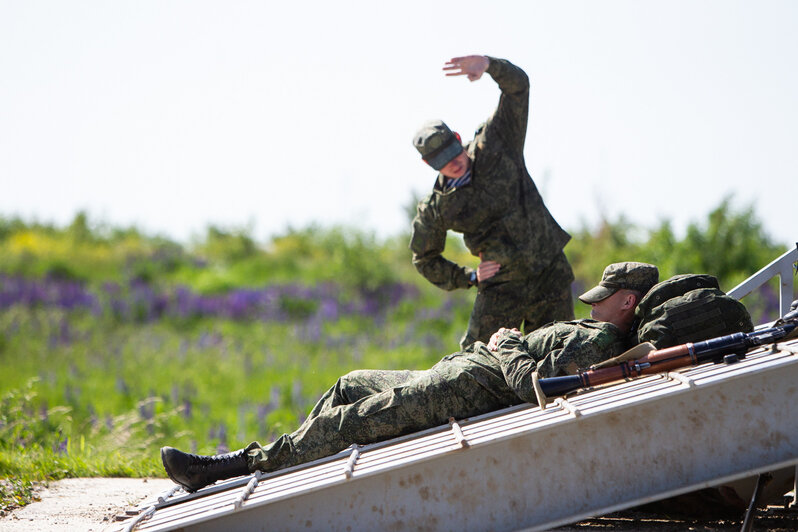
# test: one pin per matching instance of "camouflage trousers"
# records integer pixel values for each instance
(368, 406)
(528, 303)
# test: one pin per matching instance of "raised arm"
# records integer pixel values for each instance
(509, 121)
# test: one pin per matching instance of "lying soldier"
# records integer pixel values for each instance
(368, 406)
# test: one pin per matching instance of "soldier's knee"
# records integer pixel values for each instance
(355, 381)
(344, 389)
(345, 380)
(359, 375)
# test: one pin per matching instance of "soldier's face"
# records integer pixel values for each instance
(609, 309)
(457, 166)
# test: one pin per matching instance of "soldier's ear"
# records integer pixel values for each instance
(457, 136)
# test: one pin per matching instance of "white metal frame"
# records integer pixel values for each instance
(783, 267)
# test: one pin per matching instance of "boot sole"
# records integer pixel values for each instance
(163, 461)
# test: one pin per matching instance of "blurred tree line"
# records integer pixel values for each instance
(730, 244)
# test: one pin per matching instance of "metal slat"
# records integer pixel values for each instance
(458, 434)
(253, 483)
(350, 464)
(568, 407)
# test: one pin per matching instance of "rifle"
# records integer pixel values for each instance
(729, 349)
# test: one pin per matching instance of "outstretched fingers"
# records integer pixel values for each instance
(454, 65)
(472, 66)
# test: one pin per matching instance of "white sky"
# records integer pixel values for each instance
(172, 115)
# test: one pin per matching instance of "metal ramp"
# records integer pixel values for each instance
(524, 468)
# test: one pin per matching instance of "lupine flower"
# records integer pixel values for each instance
(296, 392)
(222, 448)
(187, 408)
(147, 409)
(263, 411)
(140, 300)
(62, 446)
(121, 386)
(274, 396)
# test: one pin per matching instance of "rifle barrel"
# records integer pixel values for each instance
(556, 386)
(661, 360)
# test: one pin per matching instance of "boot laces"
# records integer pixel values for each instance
(217, 460)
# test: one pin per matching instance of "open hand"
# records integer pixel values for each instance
(472, 66)
(487, 269)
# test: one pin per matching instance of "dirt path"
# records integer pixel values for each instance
(85, 504)
(92, 504)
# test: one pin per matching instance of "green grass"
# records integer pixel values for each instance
(16, 492)
(85, 395)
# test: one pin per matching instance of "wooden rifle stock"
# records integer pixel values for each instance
(662, 360)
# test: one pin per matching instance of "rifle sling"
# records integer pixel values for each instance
(638, 351)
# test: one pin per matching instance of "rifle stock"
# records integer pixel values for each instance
(662, 360)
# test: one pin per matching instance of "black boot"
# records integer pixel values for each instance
(194, 471)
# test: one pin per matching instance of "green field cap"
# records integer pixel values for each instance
(437, 144)
(630, 275)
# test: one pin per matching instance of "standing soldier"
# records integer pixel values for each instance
(484, 191)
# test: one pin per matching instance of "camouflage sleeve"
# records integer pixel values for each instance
(427, 244)
(510, 119)
(562, 348)
(569, 360)
(588, 344)
(517, 366)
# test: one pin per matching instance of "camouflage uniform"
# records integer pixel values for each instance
(501, 215)
(368, 406)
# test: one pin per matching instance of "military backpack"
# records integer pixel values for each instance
(689, 308)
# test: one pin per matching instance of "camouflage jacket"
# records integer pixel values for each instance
(500, 212)
(561, 348)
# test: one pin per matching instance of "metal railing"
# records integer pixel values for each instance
(783, 267)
